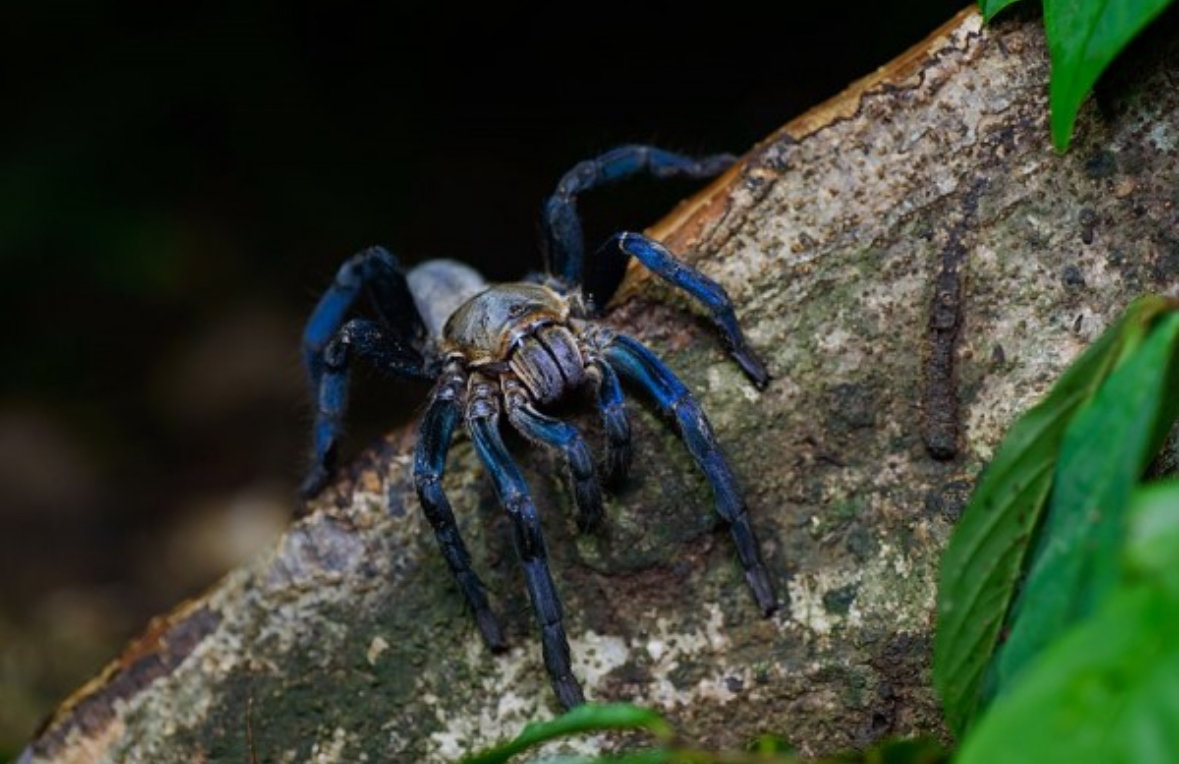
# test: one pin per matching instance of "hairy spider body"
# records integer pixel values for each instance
(506, 353)
(525, 326)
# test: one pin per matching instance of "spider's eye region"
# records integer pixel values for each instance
(517, 309)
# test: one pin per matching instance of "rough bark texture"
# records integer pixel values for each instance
(915, 263)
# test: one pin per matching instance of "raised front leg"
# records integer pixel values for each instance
(563, 241)
(373, 269)
(377, 345)
(712, 295)
(641, 367)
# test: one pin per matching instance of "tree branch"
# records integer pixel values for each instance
(915, 263)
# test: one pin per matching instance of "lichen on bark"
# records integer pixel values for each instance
(916, 265)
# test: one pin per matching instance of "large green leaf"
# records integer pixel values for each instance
(1084, 37)
(986, 555)
(1105, 451)
(1152, 546)
(1106, 692)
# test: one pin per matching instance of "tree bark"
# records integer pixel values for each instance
(915, 263)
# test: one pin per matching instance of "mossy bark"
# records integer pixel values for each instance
(915, 263)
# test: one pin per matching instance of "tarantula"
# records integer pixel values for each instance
(509, 351)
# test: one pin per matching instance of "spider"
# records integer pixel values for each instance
(508, 352)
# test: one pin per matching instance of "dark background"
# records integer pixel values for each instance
(175, 191)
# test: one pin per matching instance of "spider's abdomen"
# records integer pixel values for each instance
(523, 328)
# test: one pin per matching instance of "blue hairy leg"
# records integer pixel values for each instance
(614, 423)
(483, 423)
(377, 345)
(564, 437)
(712, 295)
(377, 271)
(638, 365)
(328, 345)
(564, 242)
(429, 463)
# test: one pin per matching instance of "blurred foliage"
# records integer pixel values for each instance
(987, 559)
(1059, 605)
(1105, 690)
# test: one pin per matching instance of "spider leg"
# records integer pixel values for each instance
(614, 423)
(640, 366)
(375, 344)
(483, 423)
(374, 269)
(563, 240)
(659, 261)
(429, 463)
(564, 437)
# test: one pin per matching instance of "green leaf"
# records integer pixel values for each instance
(652, 756)
(986, 555)
(1084, 36)
(1152, 547)
(911, 751)
(991, 7)
(587, 718)
(1106, 692)
(1105, 451)
(765, 750)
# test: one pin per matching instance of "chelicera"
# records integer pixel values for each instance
(509, 352)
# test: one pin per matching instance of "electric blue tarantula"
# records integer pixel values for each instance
(509, 351)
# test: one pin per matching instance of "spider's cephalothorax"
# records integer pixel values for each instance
(522, 329)
(505, 352)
